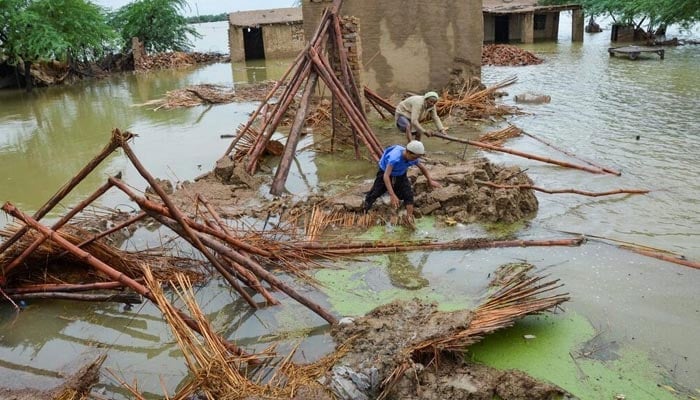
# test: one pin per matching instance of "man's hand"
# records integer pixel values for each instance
(428, 133)
(434, 184)
(394, 200)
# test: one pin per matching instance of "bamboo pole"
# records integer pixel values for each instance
(256, 151)
(468, 244)
(606, 169)
(253, 281)
(353, 95)
(256, 268)
(126, 298)
(661, 256)
(521, 154)
(282, 173)
(115, 142)
(263, 104)
(148, 205)
(116, 228)
(353, 108)
(559, 191)
(67, 287)
(339, 47)
(102, 267)
(178, 216)
(296, 65)
(73, 212)
(374, 97)
(346, 104)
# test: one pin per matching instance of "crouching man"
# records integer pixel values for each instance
(392, 178)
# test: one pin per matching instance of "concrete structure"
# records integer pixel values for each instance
(525, 21)
(411, 45)
(258, 34)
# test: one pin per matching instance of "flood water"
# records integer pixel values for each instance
(636, 116)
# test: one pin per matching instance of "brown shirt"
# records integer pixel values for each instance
(415, 110)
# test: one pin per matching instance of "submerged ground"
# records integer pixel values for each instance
(624, 332)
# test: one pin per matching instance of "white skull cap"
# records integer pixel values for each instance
(415, 147)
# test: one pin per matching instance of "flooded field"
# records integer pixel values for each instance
(627, 330)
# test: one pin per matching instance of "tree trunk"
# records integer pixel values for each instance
(28, 75)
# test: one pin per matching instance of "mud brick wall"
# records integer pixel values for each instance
(411, 45)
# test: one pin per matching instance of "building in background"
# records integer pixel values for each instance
(524, 21)
(260, 34)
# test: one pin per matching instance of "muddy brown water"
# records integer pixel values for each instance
(599, 106)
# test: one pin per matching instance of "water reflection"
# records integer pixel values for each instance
(404, 274)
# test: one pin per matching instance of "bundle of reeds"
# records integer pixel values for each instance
(193, 96)
(498, 137)
(215, 372)
(475, 102)
(50, 254)
(519, 296)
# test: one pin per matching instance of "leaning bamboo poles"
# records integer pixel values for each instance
(310, 65)
(97, 264)
(115, 142)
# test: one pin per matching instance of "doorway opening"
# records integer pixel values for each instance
(253, 43)
(502, 25)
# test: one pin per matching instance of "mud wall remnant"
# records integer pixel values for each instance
(412, 45)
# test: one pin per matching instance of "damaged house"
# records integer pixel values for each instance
(262, 34)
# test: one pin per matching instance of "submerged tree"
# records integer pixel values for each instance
(653, 14)
(46, 30)
(158, 24)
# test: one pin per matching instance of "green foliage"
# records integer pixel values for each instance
(207, 18)
(52, 30)
(158, 24)
(635, 12)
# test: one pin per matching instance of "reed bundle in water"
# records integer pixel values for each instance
(474, 102)
(215, 372)
(498, 137)
(49, 255)
(519, 296)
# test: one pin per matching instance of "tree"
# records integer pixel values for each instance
(653, 13)
(43, 30)
(158, 24)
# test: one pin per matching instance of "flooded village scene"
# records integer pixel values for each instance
(350, 199)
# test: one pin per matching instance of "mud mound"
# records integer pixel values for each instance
(378, 343)
(462, 197)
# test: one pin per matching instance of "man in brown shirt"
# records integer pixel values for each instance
(414, 109)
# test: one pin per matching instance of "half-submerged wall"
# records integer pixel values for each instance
(410, 45)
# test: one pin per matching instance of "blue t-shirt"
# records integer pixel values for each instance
(393, 156)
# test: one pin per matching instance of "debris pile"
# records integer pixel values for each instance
(384, 354)
(409, 350)
(176, 59)
(507, 55)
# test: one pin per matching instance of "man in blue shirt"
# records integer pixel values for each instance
(392, 178)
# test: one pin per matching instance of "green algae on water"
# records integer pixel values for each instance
(554, 355)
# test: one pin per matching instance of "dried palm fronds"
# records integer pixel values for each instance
(216, 372)
(193, 96)
(498, 137)
(475, 102)
(50, 254)
(320, 220)
(519, 296)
